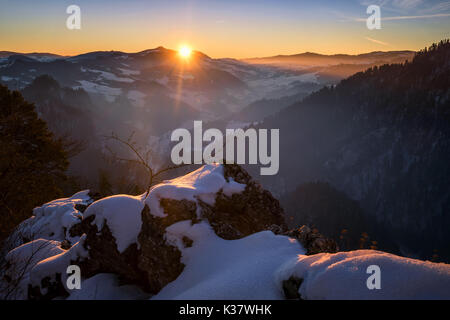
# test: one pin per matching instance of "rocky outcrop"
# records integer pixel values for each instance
(313, 241)
(152, 259)
(231, 217)
(153, 262)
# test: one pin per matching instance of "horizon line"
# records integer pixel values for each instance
(169, 49)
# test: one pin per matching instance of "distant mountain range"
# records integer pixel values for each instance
(336, 66)
(306, 58)
(34, 55)
(316, 67)
(213, 86)
(311, 59)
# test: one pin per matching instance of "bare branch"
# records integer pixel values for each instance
(142, 158)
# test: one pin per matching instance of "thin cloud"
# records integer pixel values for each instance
(437, 8)
(410, 7)
(377, 41)
(407, 4)
(425, 16)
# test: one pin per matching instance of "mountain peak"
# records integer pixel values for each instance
(157, 49)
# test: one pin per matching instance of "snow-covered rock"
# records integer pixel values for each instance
(20, 261)
(122, 213)
(106, 286)
(47, 279)
(344, 275)
(128, 236)
(206, 235)
(202, 184)
(51, 221)
(228, 269)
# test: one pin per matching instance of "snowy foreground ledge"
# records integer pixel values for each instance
(200, 236)
(256, 266)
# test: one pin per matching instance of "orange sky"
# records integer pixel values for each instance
(231, 29)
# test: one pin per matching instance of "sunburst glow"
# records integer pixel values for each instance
(185, 51)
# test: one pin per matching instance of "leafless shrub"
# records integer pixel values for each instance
(141, 157)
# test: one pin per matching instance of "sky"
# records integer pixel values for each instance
(231, 28)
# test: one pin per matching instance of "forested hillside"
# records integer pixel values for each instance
(383, 138)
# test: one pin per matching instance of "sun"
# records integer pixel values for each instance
(185, 52)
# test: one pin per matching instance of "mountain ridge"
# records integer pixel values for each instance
(309, 53)
(7, 53)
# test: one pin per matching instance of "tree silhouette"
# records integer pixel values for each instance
(32, 161)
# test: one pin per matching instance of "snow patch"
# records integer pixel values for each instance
(105, 286)
(110, 76)
(344, 275)
(54, 219)
(109, 93)
(122, 214)
(203, 184)
(137, 97)
(58, 264)
(129, 72)
(228, 269)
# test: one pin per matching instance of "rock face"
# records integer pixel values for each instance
(313, 241)
(244, 213)
(159, 259)
(152, 262)
(105, 258)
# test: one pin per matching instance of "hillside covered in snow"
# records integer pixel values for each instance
(214, 233)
